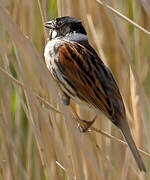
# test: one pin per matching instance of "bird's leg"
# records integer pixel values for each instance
(65, 99)
(83, 125)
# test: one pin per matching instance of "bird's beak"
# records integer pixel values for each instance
(49, 24)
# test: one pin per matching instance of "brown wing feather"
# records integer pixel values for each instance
(85, 76)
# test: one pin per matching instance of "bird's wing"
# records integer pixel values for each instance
(90, 78)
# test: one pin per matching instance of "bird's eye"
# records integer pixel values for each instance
(65, 30)
(60, 24)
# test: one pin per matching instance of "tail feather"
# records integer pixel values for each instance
(128, 137)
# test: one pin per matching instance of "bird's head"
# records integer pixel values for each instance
(61, 27)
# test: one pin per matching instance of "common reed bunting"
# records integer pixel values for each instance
(83, 77)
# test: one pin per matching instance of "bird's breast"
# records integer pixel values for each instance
(51, 51)
(51, 55)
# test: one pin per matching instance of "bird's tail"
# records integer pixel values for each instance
(128, 137)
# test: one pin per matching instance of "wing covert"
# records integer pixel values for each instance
(91, 79)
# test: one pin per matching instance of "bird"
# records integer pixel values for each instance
(82, 76)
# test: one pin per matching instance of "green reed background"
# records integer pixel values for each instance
(38, 136)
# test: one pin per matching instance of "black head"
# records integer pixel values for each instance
(60, 27)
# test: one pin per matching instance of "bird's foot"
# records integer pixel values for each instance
(84, 125)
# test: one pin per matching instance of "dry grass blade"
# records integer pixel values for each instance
(23, 43)
(146, 6)
(9, 142)
(42, 5)
(47, 105)
(117, 140)
(123, 17)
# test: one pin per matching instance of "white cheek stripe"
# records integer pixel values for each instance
(54, 34)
